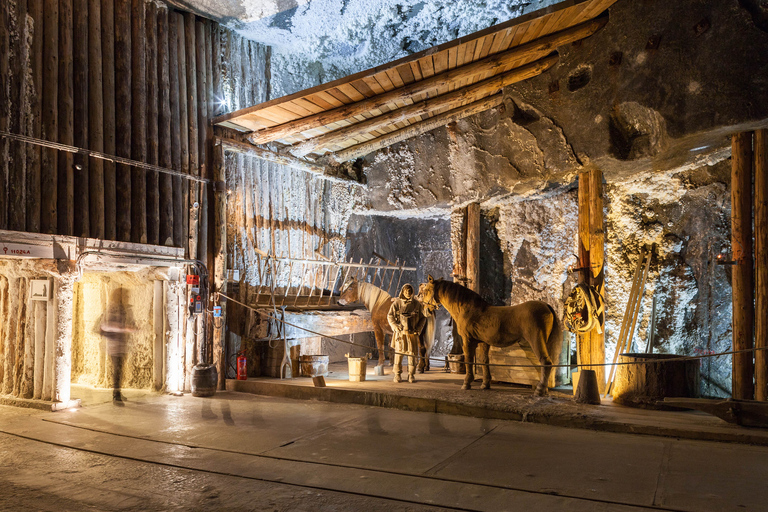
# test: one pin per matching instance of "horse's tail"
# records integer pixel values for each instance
(555, 339)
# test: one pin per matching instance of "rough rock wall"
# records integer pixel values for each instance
(90, 363)
(284, 212)
(686, 214)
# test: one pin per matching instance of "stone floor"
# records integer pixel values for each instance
(436, 391)
(239, 451)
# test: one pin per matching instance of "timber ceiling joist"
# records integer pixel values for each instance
(356, 115)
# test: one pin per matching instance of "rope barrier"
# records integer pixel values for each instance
(588, 365)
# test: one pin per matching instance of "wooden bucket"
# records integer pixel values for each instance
(642, 385)
(314, 366)
(357, 368)
(456, 363)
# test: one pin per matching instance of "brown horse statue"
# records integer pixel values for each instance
(481, 325)
(378, 302)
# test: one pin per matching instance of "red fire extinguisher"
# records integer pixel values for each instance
(241, 368)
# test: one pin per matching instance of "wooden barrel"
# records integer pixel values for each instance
(204, 380)
(642, 385)
(314, 366)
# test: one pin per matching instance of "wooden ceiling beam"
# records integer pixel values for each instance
(413, 130)
(470, 93)
(529, 51)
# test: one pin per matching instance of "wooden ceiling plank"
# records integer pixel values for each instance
(432, 86)
(393, 75)
(339, 95)
(427, 66)
(461, 53)
(309, 105)
(416, 70)
(490, 30)
(351, 92)
(507, 43)
(474, 92)
(557, 21)
(486, 47)
(279, 114)
(297, 109)
(498, 40)
(441, 61)
(374, 85)
(384, 81)
(327, 98)
(415, 129)
(406, 74)
(452, 54)
(534, 29)
(479, 47)
(362, 88)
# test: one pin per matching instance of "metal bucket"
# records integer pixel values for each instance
(314, 366)
(204, 380)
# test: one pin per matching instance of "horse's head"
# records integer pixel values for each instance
(348, 292)
(427, 294)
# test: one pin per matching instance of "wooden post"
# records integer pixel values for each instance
(473, 247)
(123, 121)
(152, 178)
(82, 221)
(220, 267)
(138, 122)
(183, 126)
(584, 341)
(108, 89)
(65, 202)
(761, 264)
(50, 131)
(202, 136)
(597, 267)
(194, 162)
(4, 123)
(175, 99)
(17, 154)
(741, 246)
(95, 120)
(34, 152)
(164, 130)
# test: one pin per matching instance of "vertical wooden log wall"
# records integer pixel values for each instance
(742, 278)
(125, 77)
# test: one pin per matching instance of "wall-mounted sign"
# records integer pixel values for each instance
(40, 289)
(9, 250)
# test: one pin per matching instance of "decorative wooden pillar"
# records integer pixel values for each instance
(742, 277)
(220, 268)
(597, 267)
(761, 263)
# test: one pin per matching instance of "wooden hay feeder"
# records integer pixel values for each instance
(642, 385)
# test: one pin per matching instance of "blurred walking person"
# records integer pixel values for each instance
(116, 326)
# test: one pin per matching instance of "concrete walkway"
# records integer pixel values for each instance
(436, 391)
(237, 451)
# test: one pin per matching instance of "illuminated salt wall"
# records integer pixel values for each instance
(91, 364)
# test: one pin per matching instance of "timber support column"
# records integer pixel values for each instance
(220, 255)
(473, 247)
(742, 277)
(761, 264)
(597, 268)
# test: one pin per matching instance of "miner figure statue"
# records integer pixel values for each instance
(406, 319)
